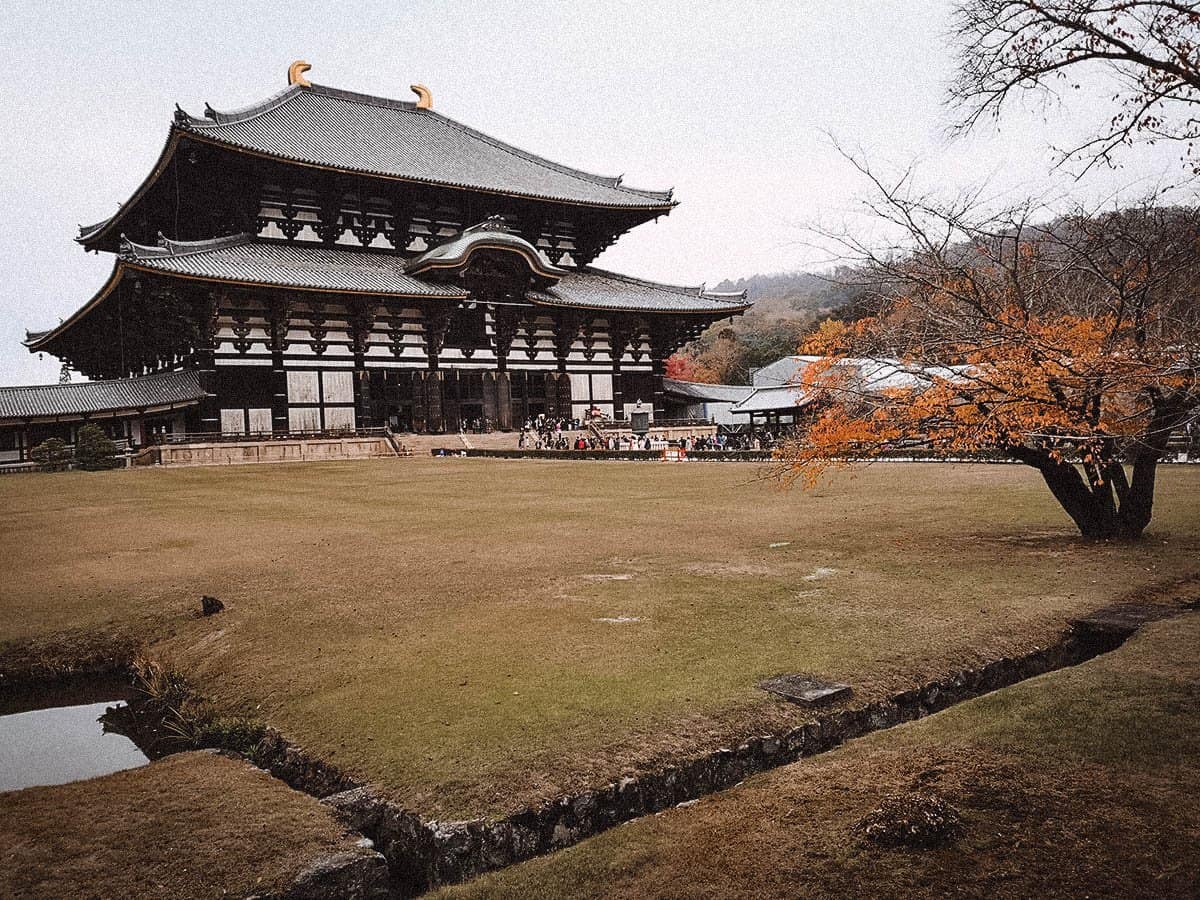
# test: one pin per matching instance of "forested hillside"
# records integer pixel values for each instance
(786, 307)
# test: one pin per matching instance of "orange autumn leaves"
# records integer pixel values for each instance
(978, 372)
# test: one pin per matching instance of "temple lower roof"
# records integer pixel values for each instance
(248, 262)
(241, 259)
(359, 133)
(591, 288)
(165, 390)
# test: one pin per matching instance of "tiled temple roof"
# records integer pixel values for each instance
(777, 398)
(48, 401)
(592, 288)
(709, 393)
(241, 259)
(353, 132)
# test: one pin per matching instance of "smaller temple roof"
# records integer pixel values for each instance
(591, 288)
(707, 393)
(241, 259)
(779, 398)
(778, 385)
(163, 390)
(873, 374)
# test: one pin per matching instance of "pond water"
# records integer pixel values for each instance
(61, 744)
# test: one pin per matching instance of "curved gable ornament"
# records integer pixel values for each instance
(424, 96)
(296, 73)
(491, 235)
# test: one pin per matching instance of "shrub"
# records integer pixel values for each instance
(94, 450)
(918, 819)
(165, 716)
(52, 455)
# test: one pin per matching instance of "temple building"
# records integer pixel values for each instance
(328, 261)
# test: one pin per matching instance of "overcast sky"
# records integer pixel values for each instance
(730, 104)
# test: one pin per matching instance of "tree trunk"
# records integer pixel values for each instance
(1110, 506)
(1138, 504)
(1093, 515)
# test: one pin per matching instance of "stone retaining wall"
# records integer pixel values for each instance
(240, 452)
(423, 854)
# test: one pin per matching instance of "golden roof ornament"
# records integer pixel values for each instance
(296, 73)
(424, 96)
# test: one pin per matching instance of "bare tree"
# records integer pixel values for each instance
(1152, 47)
(1073, 347)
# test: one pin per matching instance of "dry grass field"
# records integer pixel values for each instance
(1082, 783)
(472, 635)
(194, 825)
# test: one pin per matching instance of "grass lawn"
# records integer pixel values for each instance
(195, 825)
(1082, 783)
(472, 635)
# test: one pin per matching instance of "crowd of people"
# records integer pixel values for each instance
(545, 433)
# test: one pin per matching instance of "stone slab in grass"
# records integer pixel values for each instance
(806, 690)
(1123, 619)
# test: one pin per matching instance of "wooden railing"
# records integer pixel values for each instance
(220, 437)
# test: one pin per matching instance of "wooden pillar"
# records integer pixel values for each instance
(505, 322)
(666, 336)
(451, 394)
(550, 393)
(433, 403)
(618, 339)
(437, 321)
(278, 318)
(491, 411)
(564, 395)
(504, 410)
(566, 329)
(206, 366)
(658, 369)
(420, 407)
(362, 322)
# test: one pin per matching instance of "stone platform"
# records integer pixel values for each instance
(229, 453)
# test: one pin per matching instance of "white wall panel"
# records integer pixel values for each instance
(260, 420)
(602, 387)
(339, 387)
(233, 421)
(339, 417)
(304, 419)
(302, 387)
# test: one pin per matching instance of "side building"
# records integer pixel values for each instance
(328, 261)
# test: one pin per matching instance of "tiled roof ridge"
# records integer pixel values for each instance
(690, 291)
(215, 119)
(169, 247)
(156, 376)
(608, 181)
